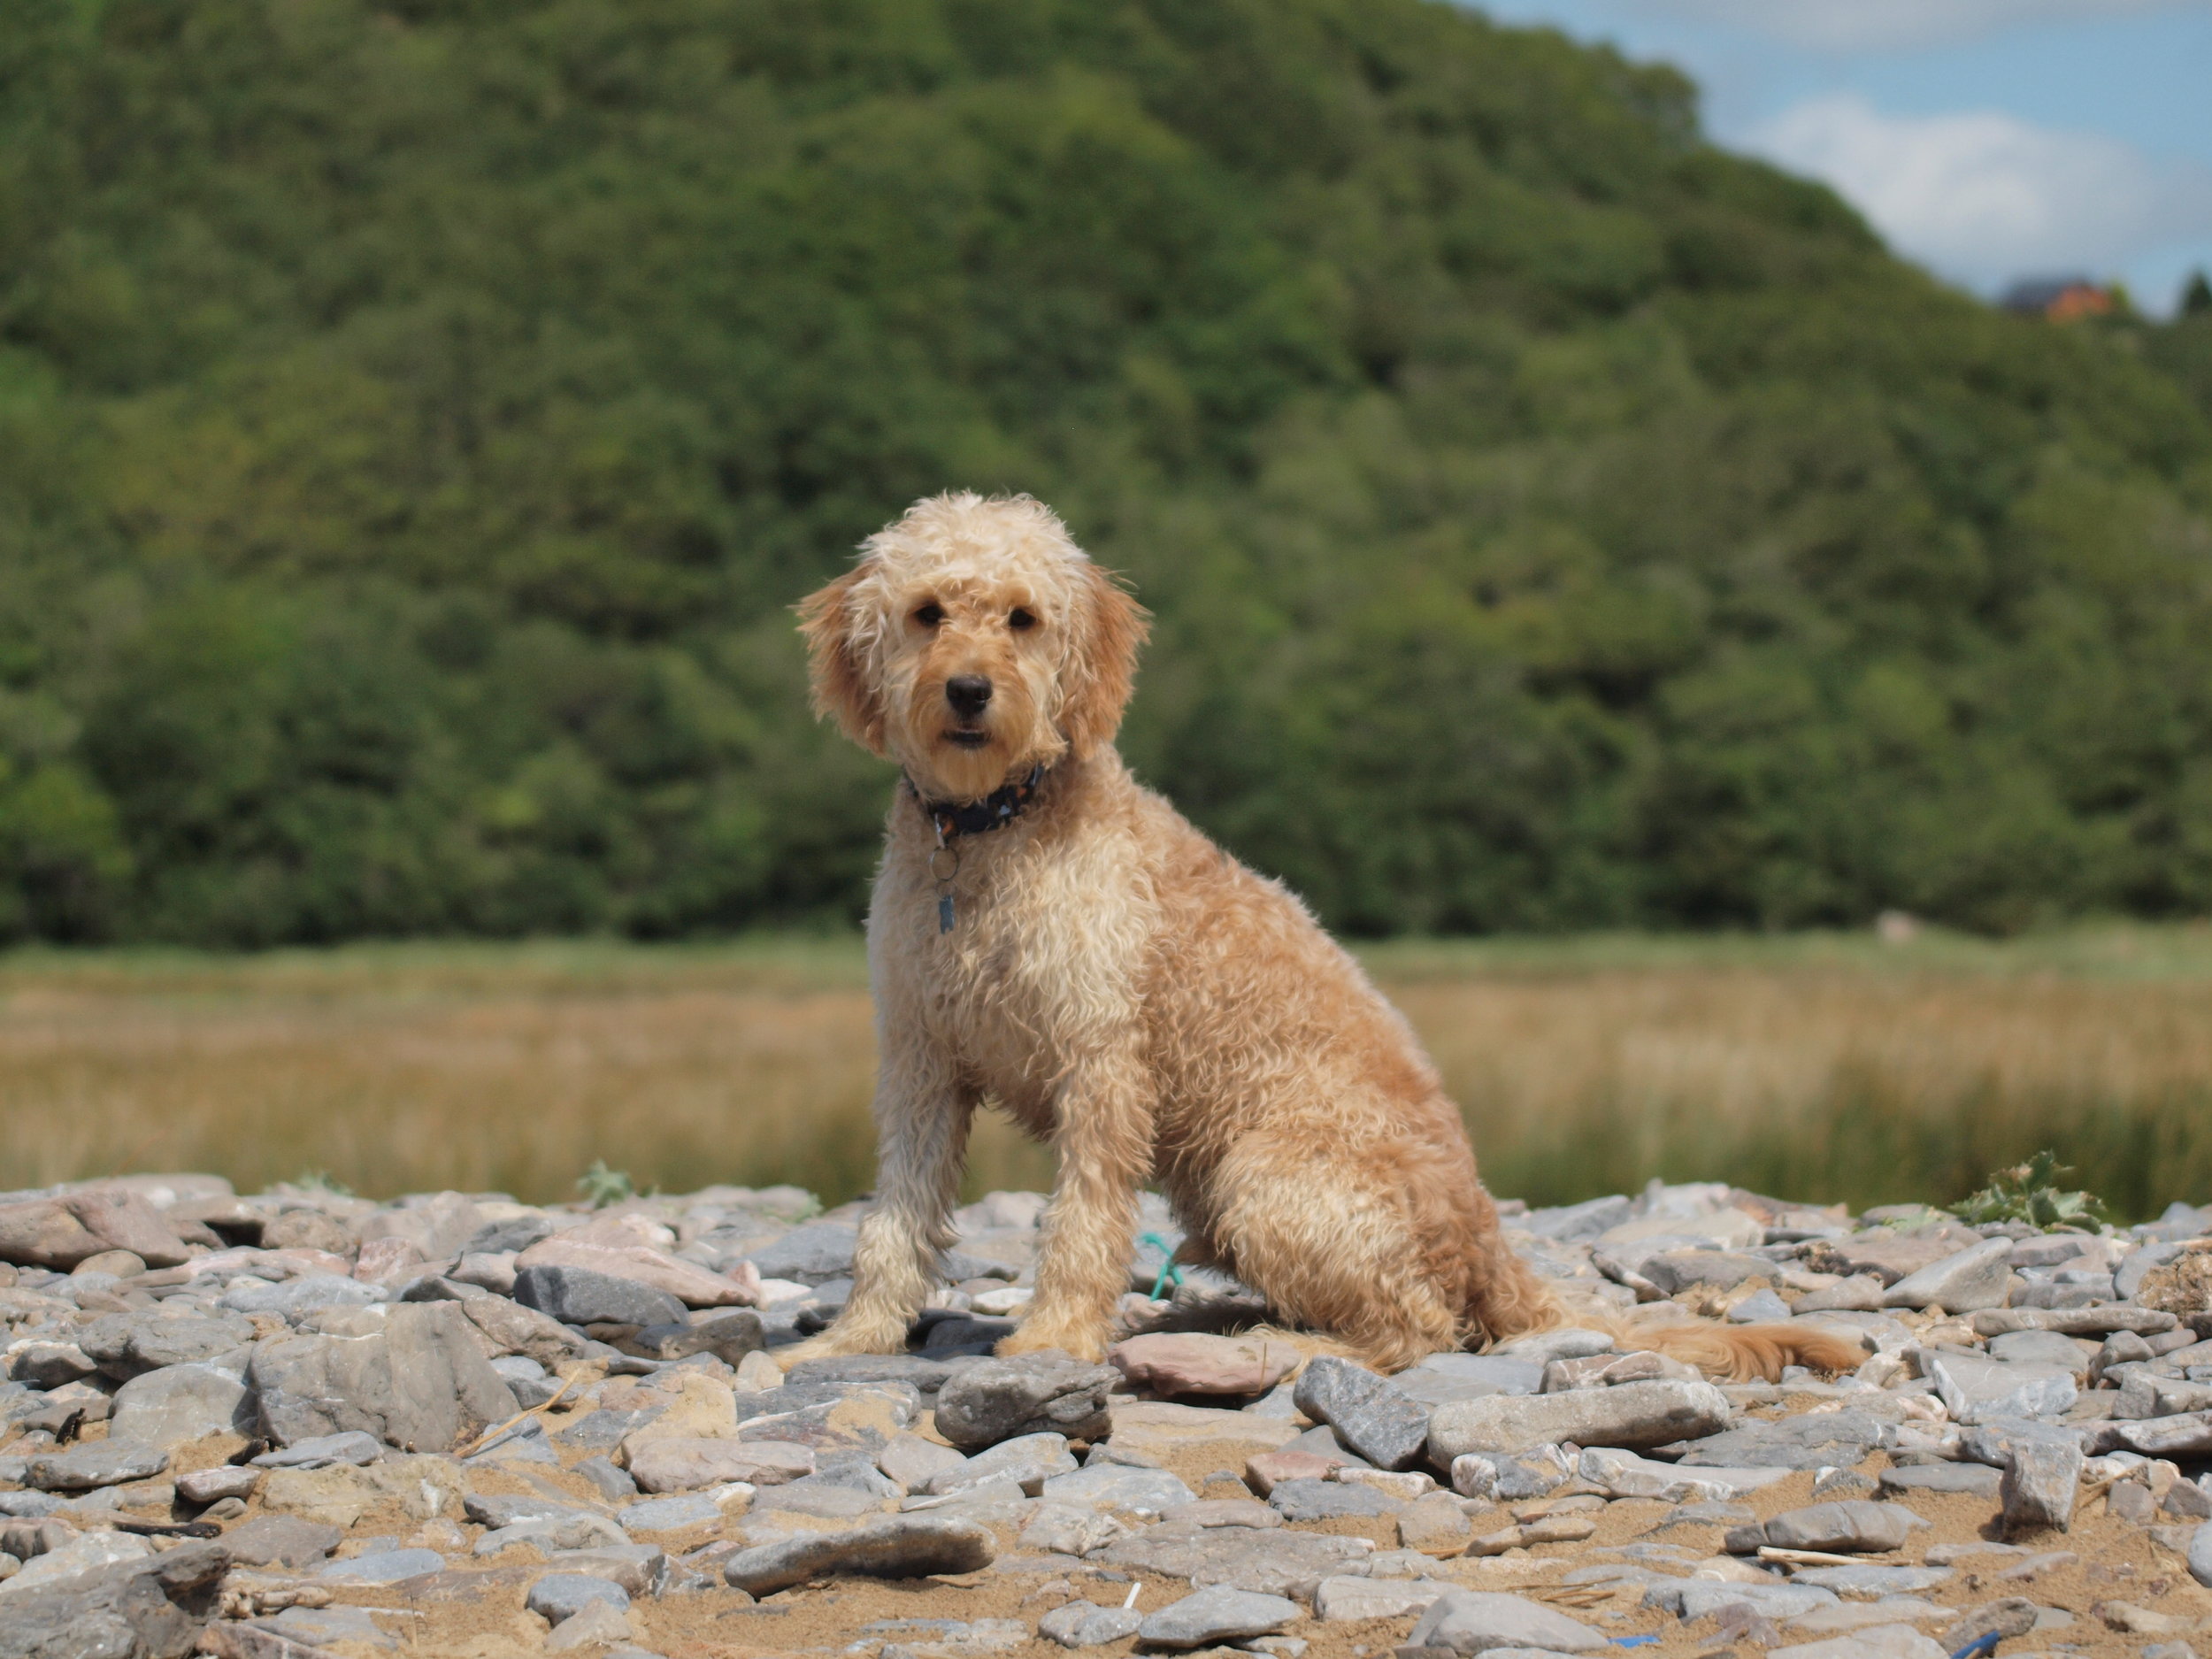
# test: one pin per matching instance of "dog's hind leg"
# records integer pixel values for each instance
(1105, 1138)
(922, 1116)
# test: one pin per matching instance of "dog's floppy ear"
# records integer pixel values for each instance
(1108, 626)
(829, 618)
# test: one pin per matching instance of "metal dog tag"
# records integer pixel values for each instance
(944, 912)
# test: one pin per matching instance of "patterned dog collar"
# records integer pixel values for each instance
(995, 810)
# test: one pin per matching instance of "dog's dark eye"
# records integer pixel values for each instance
(1020, 620)
(930, 615)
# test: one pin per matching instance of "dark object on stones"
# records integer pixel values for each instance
(1034, 1393)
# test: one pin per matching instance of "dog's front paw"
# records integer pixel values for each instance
(1086, 1340)
(839, 1340)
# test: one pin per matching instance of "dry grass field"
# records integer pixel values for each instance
(1824, 1068)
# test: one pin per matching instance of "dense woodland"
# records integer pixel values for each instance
(417, 418)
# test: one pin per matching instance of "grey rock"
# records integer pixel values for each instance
(183, 1403)
(2042, 1476)
(495, 1510)
(1048, 1391)
(515, 1329)
(109, 1462)
(52, 1364)
(1507, 1478)
(1761, 1307)
(2050, 1348)
(841, 1494)
(2128, 1278)
(353, 1448)
(1476, 1621)
(1541, 1349)
(1868, 1580)
(1027, 1460)
(383, 1566)
(1677, 1271)
(576, 1295)
(420, 1383)
(1271, 1563)
(1584, 1220)
(2201, 1556)
(312, 1626)
(1373, 1417)
(1086, 1624)
(1626, 1475)
(1975, 1390)
(1061, 1529)
(614, 1484)
(888, 1546)
(212, 1485)
(1328, 1500)
(1698, 1598)
(1850, 1528)
(1118, 1486)
(2009, 1616)
(1477, 1374)
(1814, 1440)
(280, 1540)
(1976, 1479)
(2145, 1394)
(1973, 1280)
(153, 1609)
(578, 1530)
(2184, 1439)
(127, 1345)
(818, 1251)
(297, 1297)
(926, 1375)
(670, 1515)
(508, 1238)
(1217, 1614)
(561, 1596)
(1636, 1415)
(1322, 1442)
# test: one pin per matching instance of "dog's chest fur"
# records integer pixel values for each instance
(1042, 967)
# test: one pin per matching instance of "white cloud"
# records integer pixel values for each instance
(1982, 196)
(1880, 26)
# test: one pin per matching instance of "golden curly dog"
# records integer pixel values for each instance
(1049, 936)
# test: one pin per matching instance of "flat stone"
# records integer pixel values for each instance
(1864, 1581)
(109, 1462)
(1829, 1440)
(1278, 1563)
(561, 1596)
(1543, 1347)
(2041, 1479)
(888, 1546)
(76, 1557)
(127, 1345)
(1977, 1278)
(354, 1447)
(181, 1403)
(679, 1464)
(582, 1295)
(62, 1233)
(280, 1540)
(1626, 1475)
(1762, 1306)
(1856, 1616)
(1267, 1470)
(1975, 1390)
(841, 1494)
(600, 1625)
(1118, 1486)
(1027, 1460)
(296, 1298)
(1491, 1373)
(513, 1328)
(2102, 1320)
(304, 1630)
(926, 1375)
(1223, 1512)
(1371, 1415)
(421, 1382)
(819, 1250)
(1086, 1624)
(1217, 1614)
(620, 1254)
(2201, 1556)
(1635, 1415)
(1677, 1271)
(1509, 1478)
(385, 1566)
(212, 1485)
(912, 1460)
(670, 1515)
(1434, 1525)
(1476, 1621)
(1977, 1480)
(1195, 1362)
(2050, 1348)
(1860, 1292)
(1697, 1598)
(2181, 1439)
(1876, 1641)
(1159, 1431)
(998, 1399)
(577, 1530)
(1892, 1256)
(1342, 1598)
(1850, 1528)
(1327, 1500)
(2145, 1394)
(1062, 1529)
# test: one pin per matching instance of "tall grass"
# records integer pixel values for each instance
(1820, 1068)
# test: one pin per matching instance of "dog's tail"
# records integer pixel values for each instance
(1733, 1353)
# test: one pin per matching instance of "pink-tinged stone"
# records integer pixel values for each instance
(1192, 1363)
(382, 1260)
(1263, 1473)
(693, 1285)
(684, 1465)
(59, 1232)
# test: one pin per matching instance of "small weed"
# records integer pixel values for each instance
(2029, 1191)
(321, 1181)
(604, 1186)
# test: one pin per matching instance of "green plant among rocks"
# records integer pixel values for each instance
(604, 1186)
(2029, 1191)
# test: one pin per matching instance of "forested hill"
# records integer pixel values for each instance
(417, 418)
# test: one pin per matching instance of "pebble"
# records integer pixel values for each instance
(1371, 1415)
(563, 1595)
(888, 1546)
(998, 1399)
(1636, 1415)
(387, 1566)
(1118, 1487)
(1217, 1614)
(107, 1462)
(1085, 1625)
(1474, 1621)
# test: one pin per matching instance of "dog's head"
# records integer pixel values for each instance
(973, 640)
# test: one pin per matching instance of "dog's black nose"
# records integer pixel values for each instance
(969, 693)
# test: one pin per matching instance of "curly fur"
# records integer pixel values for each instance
(1130, 992)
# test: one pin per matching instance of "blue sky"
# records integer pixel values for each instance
(1987, 139)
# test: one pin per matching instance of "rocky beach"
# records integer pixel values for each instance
(297, 1422)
